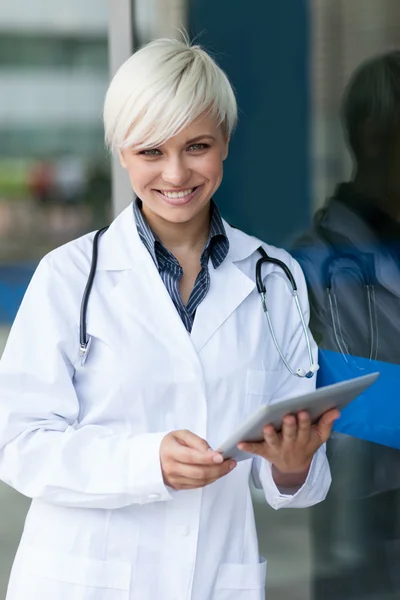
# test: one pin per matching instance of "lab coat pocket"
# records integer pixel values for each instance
(51, 575)
(241, 581)
(260, 386)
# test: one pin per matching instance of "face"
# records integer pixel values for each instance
(381, 155)
(177, 180)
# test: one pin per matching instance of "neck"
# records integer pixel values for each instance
(181, 237)
(368, 184)
(371, 185)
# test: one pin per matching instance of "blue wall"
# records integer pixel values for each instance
(14, 280)
(263, 47)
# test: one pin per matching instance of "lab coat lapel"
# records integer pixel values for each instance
(140, 294)
(229, 287)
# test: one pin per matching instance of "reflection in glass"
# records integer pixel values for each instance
(351, 260)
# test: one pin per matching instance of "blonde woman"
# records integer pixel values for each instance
(117, 445)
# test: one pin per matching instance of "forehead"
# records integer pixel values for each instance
(202, 126)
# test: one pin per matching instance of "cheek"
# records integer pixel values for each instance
(212, 168)
(140, 176)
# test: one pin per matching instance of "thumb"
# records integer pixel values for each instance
(190, 439)
(325, 424)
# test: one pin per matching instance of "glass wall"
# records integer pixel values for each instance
(350, 257)
(313, 167)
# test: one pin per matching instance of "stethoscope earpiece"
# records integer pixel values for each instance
(308, 374)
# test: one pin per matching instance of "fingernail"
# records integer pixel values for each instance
(218, 458)
(232, 466)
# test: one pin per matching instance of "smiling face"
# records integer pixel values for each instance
(177, 180)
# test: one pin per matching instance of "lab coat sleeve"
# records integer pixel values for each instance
(314, 489)
(42, 452)
(318, 481)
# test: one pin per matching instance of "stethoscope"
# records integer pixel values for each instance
(365, 266)
(84, 340)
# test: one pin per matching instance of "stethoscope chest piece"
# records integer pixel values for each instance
(84, 350)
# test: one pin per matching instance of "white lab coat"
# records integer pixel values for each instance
(83, 442)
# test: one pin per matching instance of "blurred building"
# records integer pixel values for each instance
(53, 75)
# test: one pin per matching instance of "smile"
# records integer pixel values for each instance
(181, 194)
(181, 197)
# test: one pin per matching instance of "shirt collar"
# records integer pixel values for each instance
(216, 248)
(145, 233)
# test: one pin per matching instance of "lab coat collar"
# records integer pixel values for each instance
(142, 296)
(122, 249)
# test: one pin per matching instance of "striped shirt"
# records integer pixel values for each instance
(170, 270)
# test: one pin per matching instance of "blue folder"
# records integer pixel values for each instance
(375, 415)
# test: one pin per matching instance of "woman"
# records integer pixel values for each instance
(130, 498)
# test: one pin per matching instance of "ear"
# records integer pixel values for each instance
(226, 149)
(122, 159)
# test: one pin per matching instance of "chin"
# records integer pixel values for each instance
(178, 216)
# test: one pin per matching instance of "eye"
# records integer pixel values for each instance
(151, 152)
(197, 147)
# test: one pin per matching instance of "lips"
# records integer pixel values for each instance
(174, 195)
(179, 198)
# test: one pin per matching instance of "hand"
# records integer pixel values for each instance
(188, 462)
(291, 450)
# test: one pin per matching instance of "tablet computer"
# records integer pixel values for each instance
(317, 402)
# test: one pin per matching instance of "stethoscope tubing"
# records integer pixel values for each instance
(84, 340)
(368, 285)
(265, 259)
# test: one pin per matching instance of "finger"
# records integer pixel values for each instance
(271, 436)
(203, 474)
(330, 417)
(192, 456)
(190, 439)
(304, 427)
(257, 448)
(185, 486)
(216, 472)
(289, 428)
(192, 484)
(325, 424)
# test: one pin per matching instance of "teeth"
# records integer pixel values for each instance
(177, 194)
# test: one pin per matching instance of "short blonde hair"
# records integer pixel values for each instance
(162, 88)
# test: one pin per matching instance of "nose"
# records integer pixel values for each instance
(176, 172)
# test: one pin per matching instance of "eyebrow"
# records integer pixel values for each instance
(201, 137)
